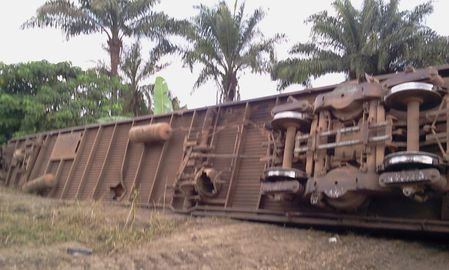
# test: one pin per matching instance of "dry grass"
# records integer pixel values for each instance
(31, 221)
(35, 234)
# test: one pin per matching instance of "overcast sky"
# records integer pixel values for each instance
(286, 17)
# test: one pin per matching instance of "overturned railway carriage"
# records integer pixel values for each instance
(371, 154)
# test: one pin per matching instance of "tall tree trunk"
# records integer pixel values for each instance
(115, 47)
(132, 100)
(230, 87)
(352, 75)
(135, 104)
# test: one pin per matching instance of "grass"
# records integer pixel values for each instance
(31, 221)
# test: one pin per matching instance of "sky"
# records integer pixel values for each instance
(86, 51)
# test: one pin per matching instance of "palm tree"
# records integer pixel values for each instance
(135, 70)
(225, 42)
(376, 39)
(403, 40)
(115, 18)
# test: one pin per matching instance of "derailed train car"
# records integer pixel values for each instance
(370, 155)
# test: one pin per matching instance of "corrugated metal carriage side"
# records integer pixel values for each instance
(343, 155)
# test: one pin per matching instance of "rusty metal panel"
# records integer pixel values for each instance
(53, 167)
(62, 178)
(134, 155)
(97, 158)
(66, 146)
(48, 147)
(224, 144)
(19, 174)
(172, 155)
(246, 191)
(149, 168)
(132, 164)
(75, 180)
(157, 182)
(13, 172)
(112, 170)
(40, 159)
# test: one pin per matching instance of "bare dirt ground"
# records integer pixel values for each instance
(35, 233)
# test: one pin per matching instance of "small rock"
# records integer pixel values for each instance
(77, 251)
(332, 240)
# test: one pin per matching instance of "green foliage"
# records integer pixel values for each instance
(10, 115)
(40, 96)
(225, 42)
(377, 39)
(109, 119)
(161, 97)
(138, 97)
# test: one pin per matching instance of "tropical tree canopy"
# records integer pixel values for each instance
(40, 96)
(377, 39)
(224, 42)
(136, 71)
(115, 18)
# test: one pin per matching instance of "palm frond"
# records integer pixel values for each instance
(249, 29)
(377, 39)
(64, 15)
